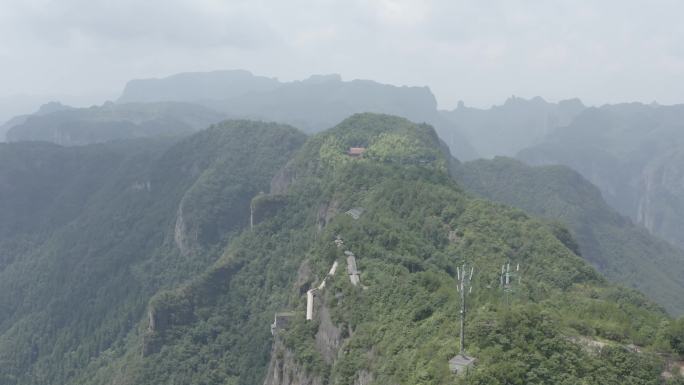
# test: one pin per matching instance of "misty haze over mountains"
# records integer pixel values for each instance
(629, 151)
(180, 226)
(341, 192)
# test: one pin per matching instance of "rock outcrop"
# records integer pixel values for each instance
(660, 205)
(328, 337)
(180, 236)
(284, 369)
(283, 179)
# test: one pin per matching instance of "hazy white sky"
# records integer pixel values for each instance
(480, 51)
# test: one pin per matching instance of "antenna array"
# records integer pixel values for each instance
(508, 278)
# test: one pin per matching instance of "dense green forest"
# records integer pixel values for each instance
(624, 252)
(88, 234)
(158, 279)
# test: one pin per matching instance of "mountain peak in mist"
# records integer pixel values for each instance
(323, 78)
(196, 86)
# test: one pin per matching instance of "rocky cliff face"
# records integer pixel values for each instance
(284, 369)
(508, 128)
(649, 190)
(328, 337)
(633, 153)
(180, 235)
(660, 207)
(283, 179)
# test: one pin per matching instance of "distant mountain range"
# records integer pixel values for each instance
(313, 104)
(632, 152)
(517, 124)
(78, 126)
(196, 87)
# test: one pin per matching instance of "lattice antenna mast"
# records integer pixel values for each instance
(464, 287)
(508, 278)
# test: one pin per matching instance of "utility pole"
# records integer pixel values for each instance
(464, 287)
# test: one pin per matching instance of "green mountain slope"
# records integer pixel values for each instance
(400, 324)
(624, 252)
(89, 233)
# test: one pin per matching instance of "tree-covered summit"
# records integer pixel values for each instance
(382, 138)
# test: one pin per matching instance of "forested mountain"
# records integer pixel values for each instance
(89, 233)
(633, 153)
(156, 277)
(624, 252)
(97, 124)
(515, 125)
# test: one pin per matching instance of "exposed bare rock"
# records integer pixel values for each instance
(283, 179)
(328, 337)
(284, 370)
(180, 233)
(326, 213)
(304, 278)
(660, 206)
(364, 378)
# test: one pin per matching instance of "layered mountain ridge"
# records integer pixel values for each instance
(185, 102)
(632, 153)
(202, 315)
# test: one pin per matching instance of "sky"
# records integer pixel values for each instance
(479, 51)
